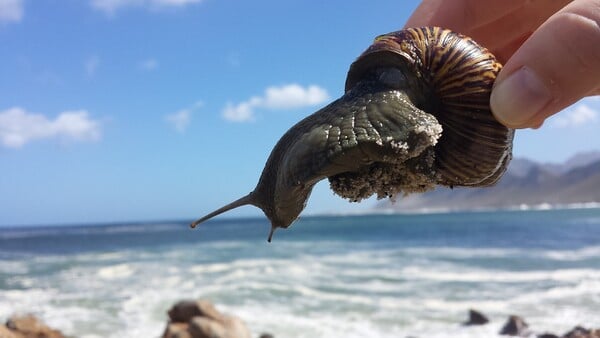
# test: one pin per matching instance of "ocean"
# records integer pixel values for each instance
(343, 276)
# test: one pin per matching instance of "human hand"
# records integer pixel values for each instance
(550, 50)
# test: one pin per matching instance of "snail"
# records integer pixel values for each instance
(415, 114)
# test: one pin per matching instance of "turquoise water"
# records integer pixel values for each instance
(358, 276)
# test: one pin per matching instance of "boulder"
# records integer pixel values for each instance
(28, 326)
(202, 327)
(476, 318)
(547, 335)
(6, 332)
(200, 319)
(184, 311)
(581, 332)
(515, 326)
(177, 330)
(266, 335)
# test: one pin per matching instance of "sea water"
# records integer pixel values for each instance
(354, 276)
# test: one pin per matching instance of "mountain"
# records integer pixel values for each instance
(525, 183)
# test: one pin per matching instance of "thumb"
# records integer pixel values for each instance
(558, 65)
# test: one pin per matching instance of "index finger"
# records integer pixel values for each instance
(461, 15)
(501, 26)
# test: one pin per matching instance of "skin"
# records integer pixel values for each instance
(550, 50)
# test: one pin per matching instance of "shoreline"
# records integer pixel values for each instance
(435, 211)
(369, 212)
(200, 318)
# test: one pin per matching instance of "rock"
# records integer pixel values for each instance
(266, 335)
(236, 328)
(202, 327)
(28, 326)
(476, 318)
(547, 335)
(200, 319)
(515, 326)
(184, 311)
(581, 332)
(6, 332)
(177, 330)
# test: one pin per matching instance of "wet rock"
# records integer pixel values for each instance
(266, 335)
(6, 332)
(200, 319)
(202, 327)
(28, 326)
(184, 311)
(476, 318)
(515, 326)
(581, 332)
(177, 330)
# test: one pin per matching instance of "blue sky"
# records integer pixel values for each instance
(123, 110)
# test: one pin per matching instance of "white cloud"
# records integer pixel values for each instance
(241, 112)
(91, 65)
(294, 96)
(148, 65)
(112, 6)
(181, 120)
(284, 97)
(578, 115)
(11, 10)
(18, 127)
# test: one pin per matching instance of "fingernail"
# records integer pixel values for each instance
(517, 99)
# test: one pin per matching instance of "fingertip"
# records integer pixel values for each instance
(555, 67)
(519, 98)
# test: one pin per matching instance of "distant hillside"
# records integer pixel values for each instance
(525, 183)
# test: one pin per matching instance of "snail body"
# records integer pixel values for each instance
(415, 114)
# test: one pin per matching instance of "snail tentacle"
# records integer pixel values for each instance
(246, 200)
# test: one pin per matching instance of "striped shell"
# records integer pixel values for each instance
(457, 76)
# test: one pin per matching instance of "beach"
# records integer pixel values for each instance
(342, 276)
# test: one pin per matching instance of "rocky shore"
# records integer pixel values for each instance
(27, 326)
(201, 319)
(516, 326)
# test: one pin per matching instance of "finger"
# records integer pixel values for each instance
(461, 15)
(500, 26)
(505, 51)
(558, 65)
(506, 34)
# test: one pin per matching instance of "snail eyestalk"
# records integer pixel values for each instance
(415, 114)
(271, 234)
(248, 199)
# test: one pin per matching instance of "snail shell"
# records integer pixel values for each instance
(415, 114)
(455, 76)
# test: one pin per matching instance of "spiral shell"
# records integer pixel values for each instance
(456, 75)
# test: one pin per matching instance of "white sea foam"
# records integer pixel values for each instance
(592, 252)
(13, 267)
(298, 289)
(312, 305)
(452, 252)
(583, 288)
(118, 271)
(420, 273)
